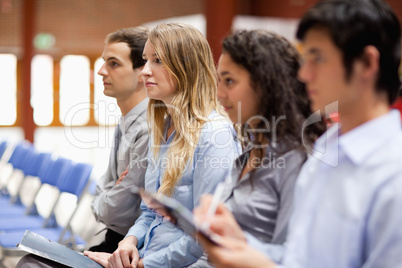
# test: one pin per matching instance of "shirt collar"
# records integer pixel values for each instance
(125, 121)
(363, 141)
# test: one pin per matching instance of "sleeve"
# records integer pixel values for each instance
(212, 162)
(383, 244)
(274, 251)
(144, 221)
(286, 181)
(202, 262)
(117, 205)
(142, 225)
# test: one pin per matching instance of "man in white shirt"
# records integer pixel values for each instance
(349, 193)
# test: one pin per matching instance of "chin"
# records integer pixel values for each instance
(108, 92)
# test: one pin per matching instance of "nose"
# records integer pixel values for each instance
(221, 94)
(146, 70)
(102, 71)
(305, 73)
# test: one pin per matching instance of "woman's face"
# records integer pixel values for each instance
(159, 82)
(235, 92)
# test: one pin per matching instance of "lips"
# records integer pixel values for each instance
(150, 84)
(311, 92)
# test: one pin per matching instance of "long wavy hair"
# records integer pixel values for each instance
(186, 54)
(273, 64)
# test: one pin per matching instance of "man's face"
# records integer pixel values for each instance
(120, 80)
(325, 75)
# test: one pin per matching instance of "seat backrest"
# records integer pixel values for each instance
(3, 146)
(19, 153)
(40, 161)
(55, 172)
(76, 179)
(29, 157)
(71, 188)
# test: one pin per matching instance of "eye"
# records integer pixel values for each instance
(318, 58)
(229, 81)
(114, 64)
(157, 60)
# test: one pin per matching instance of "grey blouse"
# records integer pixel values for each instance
(262, 205)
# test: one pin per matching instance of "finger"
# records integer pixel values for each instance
(135, 259)
(201, 211)
(98, 258)
(205, 201)
(116, 260)
(126, 261)
(224, 226)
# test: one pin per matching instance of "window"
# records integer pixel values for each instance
(8, 89)
(74, 90)
(42, 89)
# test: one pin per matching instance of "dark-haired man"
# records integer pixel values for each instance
(115, 203)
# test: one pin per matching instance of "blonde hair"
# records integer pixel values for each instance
(186, 54)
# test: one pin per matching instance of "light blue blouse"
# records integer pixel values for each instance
(162, 244)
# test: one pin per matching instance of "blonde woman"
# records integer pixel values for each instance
(192, 145)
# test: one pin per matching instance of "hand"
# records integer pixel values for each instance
(232, 253)
(141, 263)
(100, 257)
(222, 223)
(122, 176)
(126, 255)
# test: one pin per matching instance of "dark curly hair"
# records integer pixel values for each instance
(273, 64)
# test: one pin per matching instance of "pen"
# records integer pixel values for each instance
(215, 201)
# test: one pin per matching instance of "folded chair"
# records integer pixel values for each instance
(74, 183)
(52, 178)
(14, 165)
(19, 173)
(25, 197)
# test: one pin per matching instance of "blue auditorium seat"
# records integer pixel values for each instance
(76, 181)
(35, 168)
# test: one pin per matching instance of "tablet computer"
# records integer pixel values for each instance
(178, 214)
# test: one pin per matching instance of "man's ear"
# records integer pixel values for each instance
(140, 79)
(140, 76)
(369, 63)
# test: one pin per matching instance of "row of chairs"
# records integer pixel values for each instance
(42, 193)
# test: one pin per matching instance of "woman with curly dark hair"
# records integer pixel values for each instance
(259, 89)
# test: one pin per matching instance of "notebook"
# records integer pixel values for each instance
(41, 246)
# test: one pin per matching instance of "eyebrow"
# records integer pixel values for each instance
(313, 51)
(153, 55)
(112, 58)
(224, 73)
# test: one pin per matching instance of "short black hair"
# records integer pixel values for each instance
(135, 37)
(355, 24)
